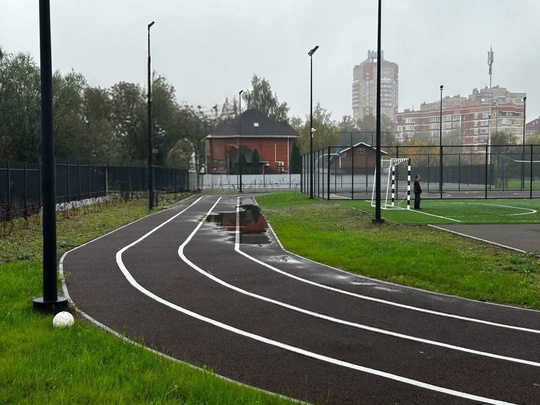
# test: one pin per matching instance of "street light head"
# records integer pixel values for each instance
(442, 86)
(150, 25)
(240, 92)
(312, 51)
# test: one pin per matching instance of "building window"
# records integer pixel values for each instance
(359, 151)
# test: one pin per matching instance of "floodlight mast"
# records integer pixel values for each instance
(490, 64)
(440, 145)
(312, 51)
(311, 130)
(240, 142)
(378, 218)
(150, 126)
(50, 302)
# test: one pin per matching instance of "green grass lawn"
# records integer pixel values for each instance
(342, 234)
(40, 364)
(83, 364)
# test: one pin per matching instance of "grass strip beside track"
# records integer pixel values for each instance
(340, 234)
(83, 364)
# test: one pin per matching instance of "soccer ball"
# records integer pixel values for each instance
(63, 320)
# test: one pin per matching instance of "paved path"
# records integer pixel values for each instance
(524, 238)
(203, 293)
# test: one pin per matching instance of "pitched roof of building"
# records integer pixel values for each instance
(362, 145)
(254, 124)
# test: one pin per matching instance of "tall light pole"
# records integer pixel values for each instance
(50, 302)
(440, 145)
(311, 130)
(523, 146)
(150, 126)
(378, 217)
(240, 140)
(491, 56)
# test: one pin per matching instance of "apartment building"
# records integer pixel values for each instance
(364, 87)
(465, 120)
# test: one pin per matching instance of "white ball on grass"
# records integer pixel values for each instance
(63, 320)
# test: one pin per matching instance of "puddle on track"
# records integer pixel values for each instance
(253, 225)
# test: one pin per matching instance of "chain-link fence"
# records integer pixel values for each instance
(483, 171)
(21, 193)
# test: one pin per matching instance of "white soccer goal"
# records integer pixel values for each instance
(395, 183)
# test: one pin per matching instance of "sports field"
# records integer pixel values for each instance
(485, 211)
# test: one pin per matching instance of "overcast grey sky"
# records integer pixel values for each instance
(210, 49)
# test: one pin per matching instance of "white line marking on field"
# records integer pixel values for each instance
(436, 216)
(281, 345)
(529, 210)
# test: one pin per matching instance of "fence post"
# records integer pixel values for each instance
(486, 174)
(352, 169)
(328, 177)
(25, 203)
(79, 180)
(8, 184)
(531, 179)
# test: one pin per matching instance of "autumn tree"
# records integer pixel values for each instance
(99, 144)
(129, 118)
(260, 97)
(20, 108)
(326, 131)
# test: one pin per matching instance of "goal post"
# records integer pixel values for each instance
(395, 183)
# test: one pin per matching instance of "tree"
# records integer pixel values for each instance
(20, 108)
(369, 124)
(255, 162)
(533, 140)
(295, 165)
(261, 98)
(129, 118)
(99, 145)
(68, 93)
(242, 163)
(347, 124)
(168, 119)
(326, 131)
(503, 138)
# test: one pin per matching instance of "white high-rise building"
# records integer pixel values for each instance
(364, 87)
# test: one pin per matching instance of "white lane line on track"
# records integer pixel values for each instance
(281, 345)
(381, 301)
(327, 317)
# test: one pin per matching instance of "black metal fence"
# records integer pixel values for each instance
(484, 171)
(20, 183)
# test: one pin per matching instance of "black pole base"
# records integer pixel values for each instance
(50, 307)
(378, 221)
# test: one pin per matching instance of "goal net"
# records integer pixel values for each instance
(395, 183)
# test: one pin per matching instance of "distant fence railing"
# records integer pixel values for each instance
(21, 193)
(250, 182)
(496, 171)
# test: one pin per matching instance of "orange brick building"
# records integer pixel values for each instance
(247, 132)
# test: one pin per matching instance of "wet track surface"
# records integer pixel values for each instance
(209, 284)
